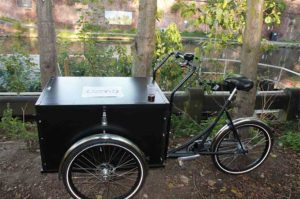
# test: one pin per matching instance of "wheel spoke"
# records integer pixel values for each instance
(88, 171)
(94, 157)
(124, 174)
(125, 164)
(89, 161)
(112, 155)
(104, 153)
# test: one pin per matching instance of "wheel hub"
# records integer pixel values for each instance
(241, 148)
(105, 171)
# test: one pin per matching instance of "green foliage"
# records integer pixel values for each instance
(225, 21)
(267, 46)
(8, 19)
(176, 7)
(159, 15)
(291, 139)
(16, 25)
(20, 30)
(210, 120)
(85, 2)
(168, 41)
(183, 125)
(15, 128)
(17, 73)
(291, 135)
(273, 11)
(96, 60)
(193, 34)
(226, 18)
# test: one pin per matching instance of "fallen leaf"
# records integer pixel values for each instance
(273, 155)
(170, 185)
(223, 189)
(211, 183)
(185, 180)
(236, 193)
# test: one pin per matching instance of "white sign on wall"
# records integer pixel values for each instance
(118, 17)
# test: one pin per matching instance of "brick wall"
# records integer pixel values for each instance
(66, 15)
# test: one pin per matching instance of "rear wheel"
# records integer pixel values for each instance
(238, 158)
(105, 169)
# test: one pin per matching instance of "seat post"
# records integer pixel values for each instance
(232, 94)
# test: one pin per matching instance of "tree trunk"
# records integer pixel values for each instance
(245, 102)
(145, 39)
(47, 41)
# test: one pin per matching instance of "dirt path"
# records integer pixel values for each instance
(279, 177)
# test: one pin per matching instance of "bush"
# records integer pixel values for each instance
(183, 125)
(15, 128)
(17, 74)
(168, 41)
(291, 139)
(96, 60)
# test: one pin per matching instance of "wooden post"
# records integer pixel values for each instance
(47, 41)
(66, 67)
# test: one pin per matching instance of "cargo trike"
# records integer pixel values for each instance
(101, 134)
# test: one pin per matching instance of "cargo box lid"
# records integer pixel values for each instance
(99, 91)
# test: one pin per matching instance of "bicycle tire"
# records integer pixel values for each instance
(256, 139)
(104, 168)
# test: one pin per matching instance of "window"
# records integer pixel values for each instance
(24, 3)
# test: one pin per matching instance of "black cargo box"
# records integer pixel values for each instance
(71, 108)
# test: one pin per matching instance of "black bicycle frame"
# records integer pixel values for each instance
(183, 149)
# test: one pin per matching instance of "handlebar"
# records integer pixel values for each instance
(187, 57)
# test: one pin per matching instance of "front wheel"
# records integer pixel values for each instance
(238, 157)
(104, 168)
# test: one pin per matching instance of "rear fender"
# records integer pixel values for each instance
(239, 121)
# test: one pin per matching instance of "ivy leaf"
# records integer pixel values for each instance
(219, 14)
(225, 4)
(268, 20)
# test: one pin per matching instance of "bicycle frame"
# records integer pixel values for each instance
(202, 136)
(183, 150)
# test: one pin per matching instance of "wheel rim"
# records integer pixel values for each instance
(104, 171)
(256, 143)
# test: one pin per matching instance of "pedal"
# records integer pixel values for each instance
(181, 160)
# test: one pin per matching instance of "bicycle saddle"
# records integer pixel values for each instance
(240, 82)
